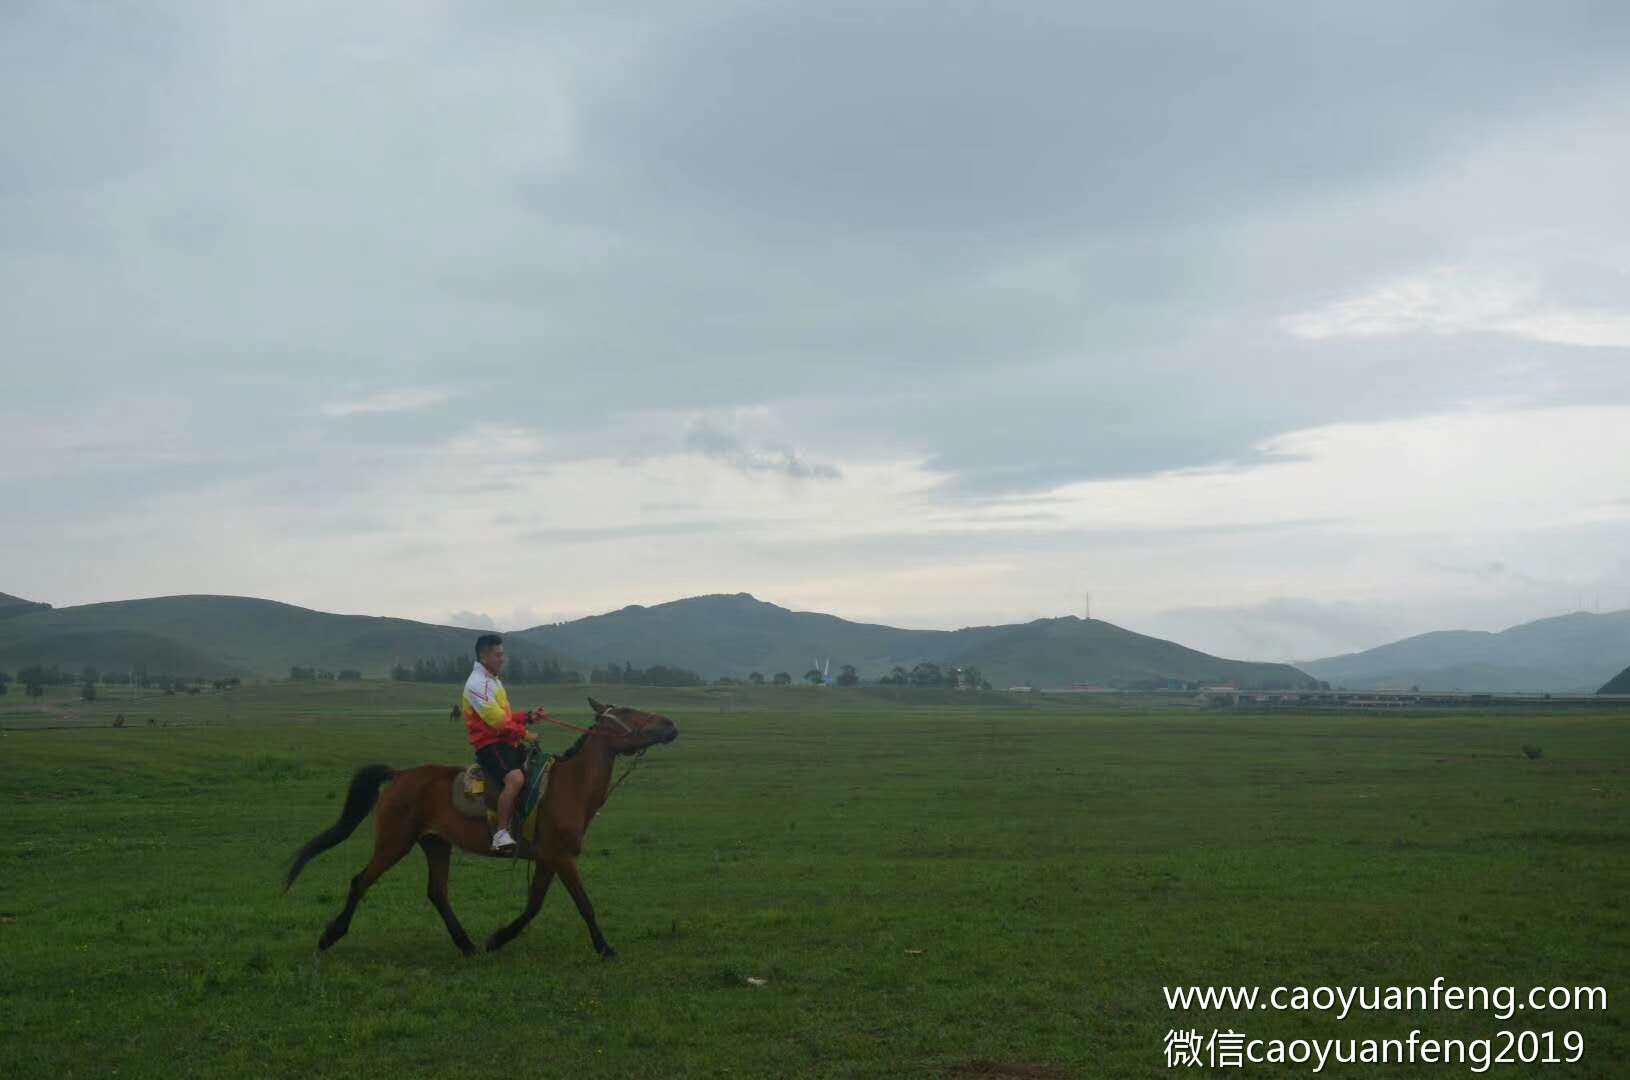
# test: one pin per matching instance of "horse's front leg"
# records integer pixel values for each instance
(567, 867)
(541, 877)
(438, 853)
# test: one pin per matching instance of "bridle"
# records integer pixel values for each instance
(606, 714)
(603, 716)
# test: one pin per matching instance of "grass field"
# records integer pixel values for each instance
(929, 886)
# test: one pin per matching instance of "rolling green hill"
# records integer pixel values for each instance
(739, 634)
(11, 606)
(1567, 653)
(227, 635)
(736, 635)
(1058, 652)
(711, 635)
(114, 650)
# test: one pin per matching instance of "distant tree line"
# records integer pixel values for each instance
(522, 671)
(655, 675)
(36, 677)
(40, 675)
(931, 674)
(455, 669)
(924, 674)
(315, 674)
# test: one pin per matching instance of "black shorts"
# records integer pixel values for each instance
(498, 759)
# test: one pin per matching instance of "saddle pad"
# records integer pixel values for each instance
(537, 782)
(475, 796)
(470, 792)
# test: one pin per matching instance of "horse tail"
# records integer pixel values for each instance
(359, 802)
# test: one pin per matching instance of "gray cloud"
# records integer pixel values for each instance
(1283, 628)
(1492, 571)
(401, 399)
(1025, 247)
(957, 124)
(705, 437)
(570, 534)
(475, 620)
(520, 618)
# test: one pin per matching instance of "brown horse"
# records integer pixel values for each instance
(418, 808)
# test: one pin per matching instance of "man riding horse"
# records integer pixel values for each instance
(496, 733)
(416, 806)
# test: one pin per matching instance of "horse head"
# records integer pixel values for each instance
(628, 730)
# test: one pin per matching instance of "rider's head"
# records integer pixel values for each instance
(489, 651)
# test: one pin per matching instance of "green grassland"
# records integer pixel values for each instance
(929, 884)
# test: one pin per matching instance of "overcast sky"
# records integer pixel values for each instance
(1283, 328)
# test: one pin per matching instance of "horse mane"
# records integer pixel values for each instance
(571, 751)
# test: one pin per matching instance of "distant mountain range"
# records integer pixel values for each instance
(1618, 684)
(15, 605)
(716, 635)
(224, 635)
(1573, 653)
(738, 634)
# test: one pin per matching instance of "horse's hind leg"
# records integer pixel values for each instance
(388, 850)
(542, 875)
(438, 853)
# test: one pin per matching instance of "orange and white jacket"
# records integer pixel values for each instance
(487, 716)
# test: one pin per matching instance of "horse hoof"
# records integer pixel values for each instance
(608, 953)
(495, 943)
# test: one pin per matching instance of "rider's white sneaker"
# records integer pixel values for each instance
(502, 841)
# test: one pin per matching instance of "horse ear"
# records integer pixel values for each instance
(596, 706)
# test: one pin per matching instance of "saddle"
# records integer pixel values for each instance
(475, 795)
